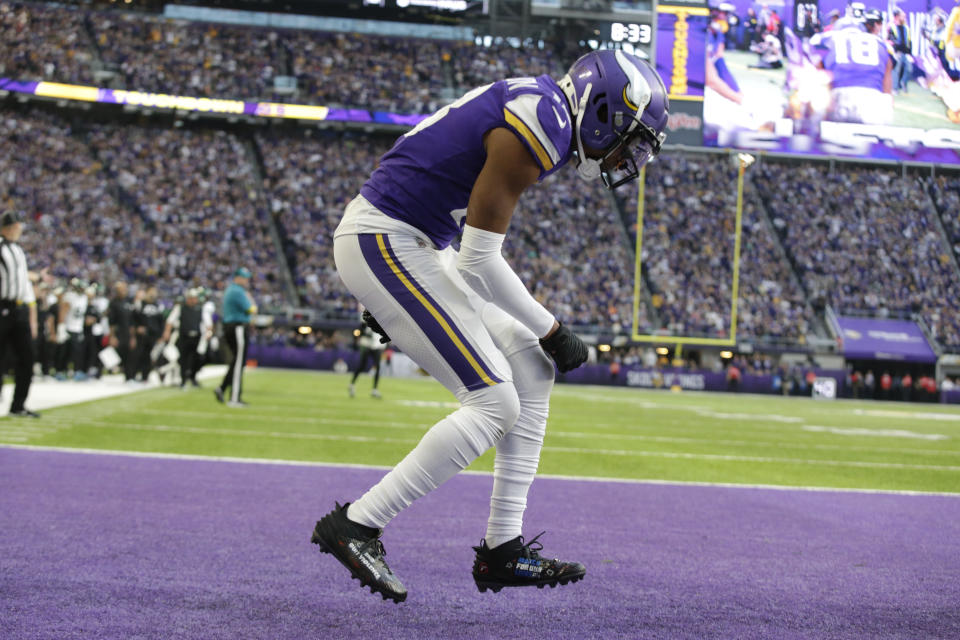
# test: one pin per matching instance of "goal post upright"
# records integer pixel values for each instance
(743, 160)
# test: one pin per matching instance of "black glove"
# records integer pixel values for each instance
(371, 322)
(566, 349)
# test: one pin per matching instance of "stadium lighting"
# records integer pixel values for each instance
(603, 347)
(356, 333)
(726, 355)
(662, 351)
(745, 159)
(305, 330)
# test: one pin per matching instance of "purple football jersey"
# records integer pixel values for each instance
(856, 58)
(426, 178)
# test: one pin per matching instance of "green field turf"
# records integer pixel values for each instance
(593, 431)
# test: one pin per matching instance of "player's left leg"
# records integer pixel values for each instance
(377, 357)
(503, 559)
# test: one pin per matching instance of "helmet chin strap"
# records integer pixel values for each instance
(587, 168)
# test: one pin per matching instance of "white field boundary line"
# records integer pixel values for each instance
(408, 427)
(345, 465)
(577, 450)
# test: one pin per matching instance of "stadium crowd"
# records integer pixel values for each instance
(172, 208)
(336, 69)
(197, 192)
(856, 250)
(688, 245)
(567, 244)
(38, 42)
(181, 206)
(945, 191)
(186, 58)
(308, 180)
(162, 55)
(476, 65)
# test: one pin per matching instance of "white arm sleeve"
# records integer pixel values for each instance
(483, 268)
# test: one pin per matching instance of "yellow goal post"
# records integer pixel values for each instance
(744, 160)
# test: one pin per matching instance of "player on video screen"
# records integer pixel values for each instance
(718, 75)
(861, 67)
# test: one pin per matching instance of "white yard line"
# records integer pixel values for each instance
(300, 463)
(577, 450)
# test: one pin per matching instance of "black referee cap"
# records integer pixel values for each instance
(10, 217)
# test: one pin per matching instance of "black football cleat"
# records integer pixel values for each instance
(358, 551)
(515, 564)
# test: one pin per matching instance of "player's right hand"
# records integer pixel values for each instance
(371, 322)
(566, 349)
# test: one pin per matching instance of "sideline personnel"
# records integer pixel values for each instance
(237, 309)
(18, 311)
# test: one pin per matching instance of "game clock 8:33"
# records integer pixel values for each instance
(631, 32)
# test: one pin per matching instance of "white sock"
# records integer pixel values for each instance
(447, 448)
(518, 453)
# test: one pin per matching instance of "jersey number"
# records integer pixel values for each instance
(858, 48)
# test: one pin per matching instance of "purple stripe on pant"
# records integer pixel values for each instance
(430, 325)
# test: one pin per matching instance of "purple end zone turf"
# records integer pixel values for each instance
(106, 546)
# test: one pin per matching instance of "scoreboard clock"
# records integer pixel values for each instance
(635, 33)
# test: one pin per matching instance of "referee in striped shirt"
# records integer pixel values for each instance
(18, 311)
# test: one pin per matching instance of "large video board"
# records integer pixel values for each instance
(834, 78)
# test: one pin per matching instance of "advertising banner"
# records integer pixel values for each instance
(882, 339)
(205, 105)
(680, 51)
(685, 125)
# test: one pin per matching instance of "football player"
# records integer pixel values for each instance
(718, 75)
(861, 64)
(371, 353)
(465, 317)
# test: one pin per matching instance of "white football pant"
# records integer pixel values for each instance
(487, 359)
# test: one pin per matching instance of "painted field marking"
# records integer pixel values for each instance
(556, 432)
(618, 394)
(290, 435)
(769, 417)
(772, 417)
(433, 404)
(347, 465)
(246, 415)
(733, 458)
(748, 443)
(577, 450)
(912, 415)
(883, 433)
(708, 413)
